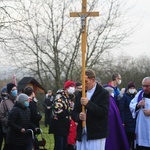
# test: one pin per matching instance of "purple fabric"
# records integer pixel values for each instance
(117, 139)
(140, 95)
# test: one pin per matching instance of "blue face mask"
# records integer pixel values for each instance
(14, 93)
(26, 104)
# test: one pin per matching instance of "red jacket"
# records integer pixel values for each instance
(72, 133)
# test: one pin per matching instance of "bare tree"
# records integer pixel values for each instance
(45, 41)
(131, 69)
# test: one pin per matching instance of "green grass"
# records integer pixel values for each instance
(48, 137)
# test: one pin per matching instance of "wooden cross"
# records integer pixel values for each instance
(83, 15)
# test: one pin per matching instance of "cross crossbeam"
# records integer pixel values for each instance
(88, 14)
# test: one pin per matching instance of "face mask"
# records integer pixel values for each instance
(4, 96)
(14, 93)
(119, 82)
(71, 90)
(26, 104)
(131, 91)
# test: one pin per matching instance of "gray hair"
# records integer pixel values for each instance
(146, 78)
(109, 89)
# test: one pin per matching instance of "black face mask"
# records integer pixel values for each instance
(4, 96)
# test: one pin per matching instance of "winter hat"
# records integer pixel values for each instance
(78, 84)
(22, 98)
(131, 84)
(68, 84)
(10, 86)
(4, 90)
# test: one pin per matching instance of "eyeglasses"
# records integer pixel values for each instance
(145, 86)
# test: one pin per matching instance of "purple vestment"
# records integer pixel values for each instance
(117, 139)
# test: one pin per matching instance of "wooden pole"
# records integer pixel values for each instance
(83, 48)
(83, 15)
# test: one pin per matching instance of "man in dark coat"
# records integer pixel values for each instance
(35, 115)
(48, 102)
(94, 134)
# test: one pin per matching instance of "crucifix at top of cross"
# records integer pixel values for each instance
(83, 15)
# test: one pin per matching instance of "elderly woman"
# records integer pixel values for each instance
(19, 122)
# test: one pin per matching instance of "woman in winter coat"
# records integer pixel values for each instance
(127, 120)
(61, 111)
(19, 122)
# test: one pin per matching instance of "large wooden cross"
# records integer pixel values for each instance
(83, 15)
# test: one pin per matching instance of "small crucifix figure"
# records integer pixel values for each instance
(83, 15)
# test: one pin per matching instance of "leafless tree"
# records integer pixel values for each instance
(45, 42)
(131, 69)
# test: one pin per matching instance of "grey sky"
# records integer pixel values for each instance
(140, 44)
(139, 41)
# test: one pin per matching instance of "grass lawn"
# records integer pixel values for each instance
(48, 137)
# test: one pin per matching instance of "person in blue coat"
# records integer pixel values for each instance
(127, 120)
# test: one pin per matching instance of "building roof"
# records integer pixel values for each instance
(30, 81)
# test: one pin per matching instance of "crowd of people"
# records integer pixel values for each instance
(107, 118)
(18, 117)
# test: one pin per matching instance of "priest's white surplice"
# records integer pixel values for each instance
(142, 122)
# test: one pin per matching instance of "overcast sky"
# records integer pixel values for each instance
(140, 40)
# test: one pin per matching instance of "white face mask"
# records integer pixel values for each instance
(131, 91)
(119, 82)
(71, 90)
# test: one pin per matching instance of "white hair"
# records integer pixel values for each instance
(146, 78)
(109, 89)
